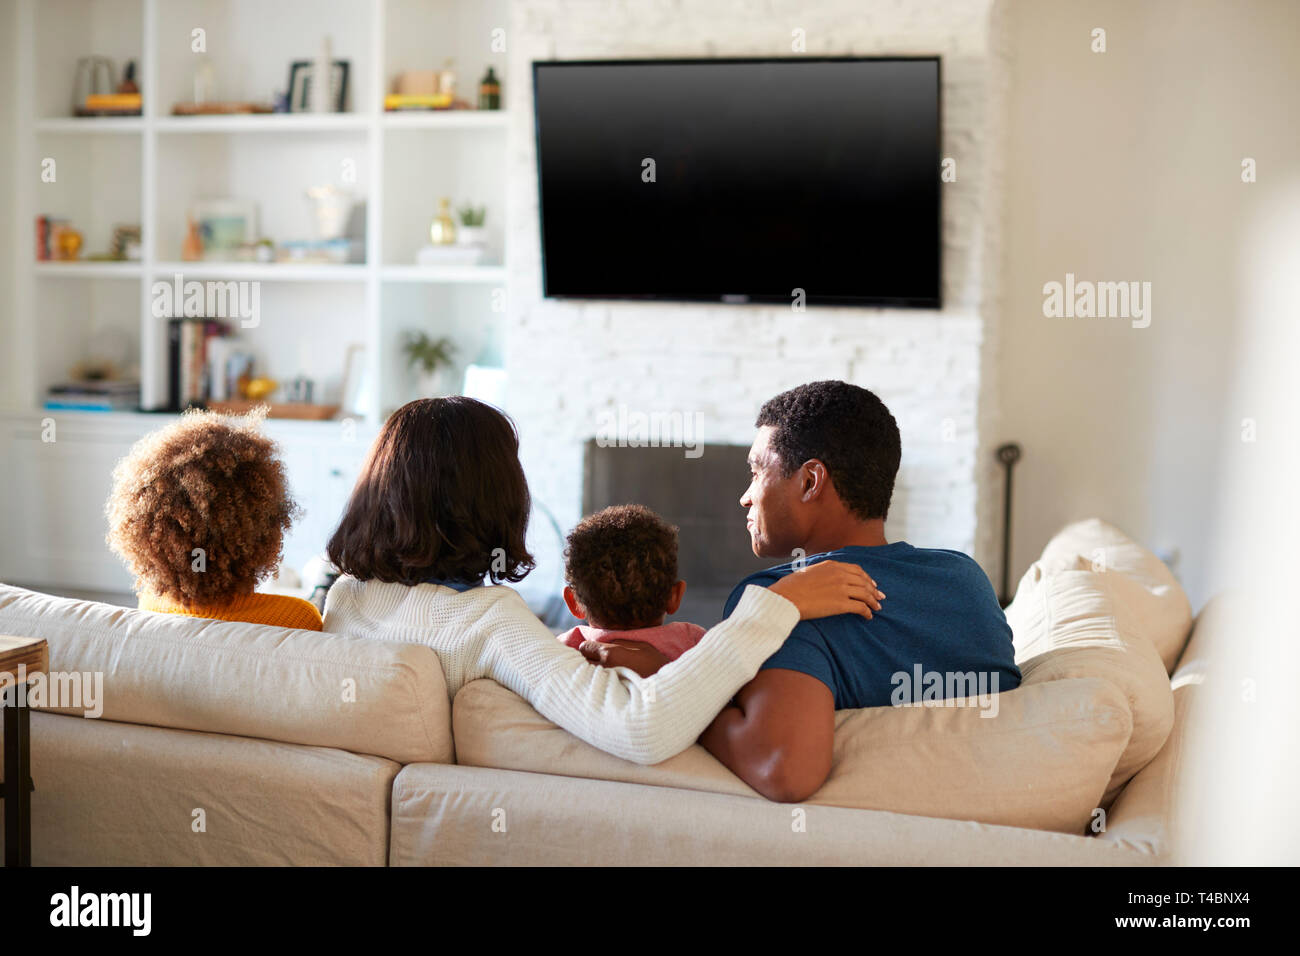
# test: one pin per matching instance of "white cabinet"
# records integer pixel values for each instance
(53, 492)
(53, 525)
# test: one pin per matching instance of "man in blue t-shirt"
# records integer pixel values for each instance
(822, 474)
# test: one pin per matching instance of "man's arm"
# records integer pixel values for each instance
(778, 736)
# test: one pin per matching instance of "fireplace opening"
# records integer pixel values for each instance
(701, 496)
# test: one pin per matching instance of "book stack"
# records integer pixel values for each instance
(47, 228)
(111, 104)
(189, 344)
(396, 102)
(107, 395)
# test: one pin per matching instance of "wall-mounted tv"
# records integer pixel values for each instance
(741, 180)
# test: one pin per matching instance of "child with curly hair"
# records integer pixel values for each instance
(198, 513)
(621, 568)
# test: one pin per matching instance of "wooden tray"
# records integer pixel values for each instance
(220, 109)
(300, 410)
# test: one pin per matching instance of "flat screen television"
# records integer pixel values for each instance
(741, 180)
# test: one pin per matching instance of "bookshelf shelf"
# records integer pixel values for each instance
(152, 170)
(90, 124)
(261, 271)
(87, 270)
(443, 274)
(265, 123)
(445, 119)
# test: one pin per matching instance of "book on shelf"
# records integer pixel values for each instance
(189, 342)
(47, 230)
(396, 102)
(94, 396)
(111, 104)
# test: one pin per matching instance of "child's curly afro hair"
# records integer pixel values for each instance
(207, 482)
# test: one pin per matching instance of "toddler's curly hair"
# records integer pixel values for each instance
(622, 564)
(206, 481)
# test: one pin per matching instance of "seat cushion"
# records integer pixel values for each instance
(1069, 624)
(1041, 761)
(110, 794)
(469, 816)
(249, 680)
(1149, 600)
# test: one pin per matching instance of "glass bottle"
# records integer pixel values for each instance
(489, 92)
(442, 231)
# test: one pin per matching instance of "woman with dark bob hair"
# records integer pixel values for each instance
(441, 507)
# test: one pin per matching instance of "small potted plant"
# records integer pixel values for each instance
(471, 231)
(430, 359)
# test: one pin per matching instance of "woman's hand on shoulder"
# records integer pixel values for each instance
(828, 588)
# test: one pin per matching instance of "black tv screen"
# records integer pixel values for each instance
(741, 180)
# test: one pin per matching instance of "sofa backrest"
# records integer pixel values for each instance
(1041, 761)
(1066, 625)
(1093, 709)
(1149, 600)
(273, 683)
(1098, 604)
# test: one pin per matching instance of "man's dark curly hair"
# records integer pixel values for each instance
(846, 428)
(622, 564)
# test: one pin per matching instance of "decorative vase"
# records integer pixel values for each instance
(67, 242)
(471, 236)
(192, 247)
(442, 231)
(435, 384)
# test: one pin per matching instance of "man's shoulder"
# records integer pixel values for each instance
(765, 579)
(957, 563)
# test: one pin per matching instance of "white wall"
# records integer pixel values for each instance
(1235, 804)
(8, 228)
(1126, 165)
(569, 362)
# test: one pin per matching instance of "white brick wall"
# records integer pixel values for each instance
(570, 362)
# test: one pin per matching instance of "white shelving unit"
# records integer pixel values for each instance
(150, 169)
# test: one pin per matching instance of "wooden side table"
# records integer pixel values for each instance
(21, 659)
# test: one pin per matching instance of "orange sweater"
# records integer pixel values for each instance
(277, 610)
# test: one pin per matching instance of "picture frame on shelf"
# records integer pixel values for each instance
(300, 78)
(224, 226)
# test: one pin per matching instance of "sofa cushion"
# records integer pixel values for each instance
(1149, 600)
(301, 687)
(1042, 761)
(442, 816)
(113, 794)
(1070, 624)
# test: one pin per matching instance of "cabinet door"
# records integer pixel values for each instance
(53, 511)
(321, 476)
(340, 464)
(302, 466)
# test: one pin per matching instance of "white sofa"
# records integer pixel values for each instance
(225, 743)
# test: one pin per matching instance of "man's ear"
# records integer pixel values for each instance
(814, 480)
(571, 599)
(675, 598)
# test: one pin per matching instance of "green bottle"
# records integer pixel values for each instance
(489, 92)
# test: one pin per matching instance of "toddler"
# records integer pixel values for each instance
(621, 569)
